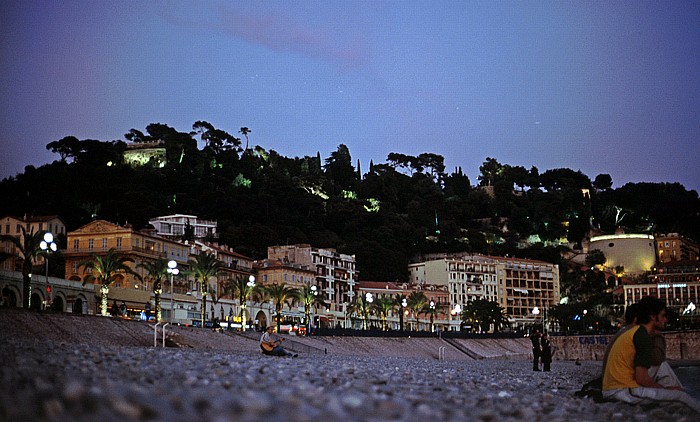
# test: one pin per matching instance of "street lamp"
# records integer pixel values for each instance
(432, 316)
(48, 245)
(404, 304)
(456, 312)
(244, 297)
(173, 271)
(536, 312)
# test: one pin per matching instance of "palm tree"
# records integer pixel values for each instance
(245, 131)
(399, 301)
(280, 294)
(158, 270)
(309, 295)
(432, 309)
(243, 287)
(203, 268)
(28, 250)
(483, 313)
(383, 306)
(416, 303)
(105, 270)
(363, 307)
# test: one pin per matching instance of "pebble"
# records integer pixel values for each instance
(103, 381)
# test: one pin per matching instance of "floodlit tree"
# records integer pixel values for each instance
(204, 267)
(483, 313)
(280, 294)
(310, 296)
(158, 271)
(383, 306)
(105, 270)
(28, 249)
(416, 303)
(242, 286)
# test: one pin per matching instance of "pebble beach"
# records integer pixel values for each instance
(55, 380)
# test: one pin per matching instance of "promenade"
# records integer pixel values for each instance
(83, 375)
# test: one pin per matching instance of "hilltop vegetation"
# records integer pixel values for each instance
(385, 215)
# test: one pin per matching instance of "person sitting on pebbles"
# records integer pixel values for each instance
(626, 376)
(270, 345)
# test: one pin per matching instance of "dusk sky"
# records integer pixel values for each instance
(597, 86)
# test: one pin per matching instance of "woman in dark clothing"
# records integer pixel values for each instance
(546, 352)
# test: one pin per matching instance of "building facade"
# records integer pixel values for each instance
(335, 273)
(12, 226)
(517, 285)
(673, 247)
(98, 236)
(175, 226)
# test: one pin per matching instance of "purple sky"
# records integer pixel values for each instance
(602, 87)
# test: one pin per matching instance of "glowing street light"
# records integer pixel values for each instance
(173, 271)
(48, 246)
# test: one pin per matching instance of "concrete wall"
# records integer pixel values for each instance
(679, 346)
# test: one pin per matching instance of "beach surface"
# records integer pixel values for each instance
(67, 369)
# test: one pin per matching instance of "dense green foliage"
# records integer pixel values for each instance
(385, 216)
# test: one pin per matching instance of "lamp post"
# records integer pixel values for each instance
(48, 245)
(456, 312)
(244, 297)
(536, 312)
(173, 271)
(432, 316)
(369, 298)
(404, 304)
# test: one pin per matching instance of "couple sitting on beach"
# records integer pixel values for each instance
(635, 368)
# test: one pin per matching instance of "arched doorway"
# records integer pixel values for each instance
(78, 306)
(260, 320)
(36, 302)
(57, 305)
(9, 297)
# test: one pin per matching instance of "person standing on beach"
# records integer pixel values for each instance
(546, 352)
(536, 350)
(626, 374)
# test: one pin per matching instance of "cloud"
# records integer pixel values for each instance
(285, 34)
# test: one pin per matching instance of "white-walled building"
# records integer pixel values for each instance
(173, 226)
(517, 285)
(336, 275)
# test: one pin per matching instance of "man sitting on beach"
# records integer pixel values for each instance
(271, 346)
(626, 372)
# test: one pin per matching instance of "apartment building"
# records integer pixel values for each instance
(98, 236)
(673, 247)
(175, 226)
(12, 226)
(517, 285)
(233, 264)
(335, 273)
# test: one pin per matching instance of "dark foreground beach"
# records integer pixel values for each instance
(66, 381)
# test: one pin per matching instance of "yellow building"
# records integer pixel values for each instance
(97, 237)
(12, 226)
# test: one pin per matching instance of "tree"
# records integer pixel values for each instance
(280, 295)
(595, 257)
(242, 286)
(105, 270)
(603, 182)
(203, 268)
(68, 146)
(158, 270)
(245, 131)
(483, 313)
(432, 309)
(310, 297)
(490, 171)
(383, 306)
(363, 307)
(28, 249)
(400, 302)
(416, 303)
